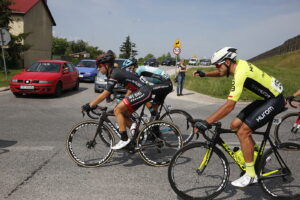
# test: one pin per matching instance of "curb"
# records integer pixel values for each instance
(2, 89)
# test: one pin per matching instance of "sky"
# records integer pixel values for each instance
(201, 26)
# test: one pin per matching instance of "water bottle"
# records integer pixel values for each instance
(238, 154)
(132, 129)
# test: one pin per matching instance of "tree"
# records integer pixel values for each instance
(127, 49)
(15, 46)
(59, 46)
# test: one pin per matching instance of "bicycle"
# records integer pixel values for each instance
(89, 142)
(180, 118)
(201, 170)
(288, 127)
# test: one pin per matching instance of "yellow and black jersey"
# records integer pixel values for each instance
(257, 82)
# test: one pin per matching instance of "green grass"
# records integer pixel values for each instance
(10, 73)
(285, 68)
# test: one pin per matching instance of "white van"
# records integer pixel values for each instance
(193, 61)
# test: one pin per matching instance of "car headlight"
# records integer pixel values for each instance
(45, 81)
(14, 81)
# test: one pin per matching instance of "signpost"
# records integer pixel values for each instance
(177, 49)
(4, 40)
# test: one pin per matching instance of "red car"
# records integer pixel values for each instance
(46, 77)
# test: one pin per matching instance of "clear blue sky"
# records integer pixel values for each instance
(202, 26)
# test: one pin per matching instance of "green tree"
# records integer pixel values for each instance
(15, 46)
(5, 13)
(59, 46)
(127, 49)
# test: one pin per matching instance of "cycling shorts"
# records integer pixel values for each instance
(161, 91)
(138, 98)
(260, 112)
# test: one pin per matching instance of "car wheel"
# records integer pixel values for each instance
(58, 90)
(76, 88)
(17, 95)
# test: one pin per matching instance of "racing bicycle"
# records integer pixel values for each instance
(288, 127)
(89, 142)
(201, 171)
(180, 118)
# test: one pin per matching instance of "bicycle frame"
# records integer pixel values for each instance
(216, 139)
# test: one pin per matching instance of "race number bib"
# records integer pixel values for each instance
(276, 85)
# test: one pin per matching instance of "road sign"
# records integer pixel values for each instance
(4, 37)
(177, 43)
(176, 50)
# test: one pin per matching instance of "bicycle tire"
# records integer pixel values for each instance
(286, 188)
(183, 121)
(187, 183)
(282, 131)
(157, 150)
(86, 152)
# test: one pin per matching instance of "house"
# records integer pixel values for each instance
(34, 17)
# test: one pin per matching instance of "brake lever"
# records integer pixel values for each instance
(83, 114)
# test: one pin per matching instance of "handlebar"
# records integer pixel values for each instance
(97, 111)
(293, 100)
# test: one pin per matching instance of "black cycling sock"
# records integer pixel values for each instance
(124, 135)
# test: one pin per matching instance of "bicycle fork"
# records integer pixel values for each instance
(205, 160)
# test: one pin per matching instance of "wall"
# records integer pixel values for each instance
(39, 24)
(290, 45)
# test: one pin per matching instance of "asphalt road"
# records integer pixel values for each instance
(35, 165)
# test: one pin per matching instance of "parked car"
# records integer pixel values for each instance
(101, 80)
(45, 77)
(151, 62)
(193, 61)
(169, 62)
(205, 62)
(87, 70)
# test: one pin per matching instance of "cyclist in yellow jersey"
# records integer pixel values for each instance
(270, 102)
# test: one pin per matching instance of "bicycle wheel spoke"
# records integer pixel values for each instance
(157, 147)
(279, 181)
(87, 148)
(287, 130)
(185, 178)
(181, 120)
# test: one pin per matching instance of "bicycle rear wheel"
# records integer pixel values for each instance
(190, 178)
(183, 121)
(87, 147)
(285, 131)
(157, 142)
(278, 181)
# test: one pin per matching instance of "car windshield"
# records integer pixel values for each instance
(85, 63)
(44, 67)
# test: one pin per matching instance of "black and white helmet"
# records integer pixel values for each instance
(222, 54)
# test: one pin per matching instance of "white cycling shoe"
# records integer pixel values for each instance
(244, 181)
(121, 144)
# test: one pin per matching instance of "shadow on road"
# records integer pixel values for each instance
(5, 144)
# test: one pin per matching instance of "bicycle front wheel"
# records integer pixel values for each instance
(196, 172)
(287, 130)
(157, 142)
(281, 181)
(183, 121)
(88, 146)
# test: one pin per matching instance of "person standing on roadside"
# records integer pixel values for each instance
(181, 76)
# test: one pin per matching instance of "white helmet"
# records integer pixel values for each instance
(220, 55)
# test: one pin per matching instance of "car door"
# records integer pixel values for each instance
(74, 74)
(66, 76)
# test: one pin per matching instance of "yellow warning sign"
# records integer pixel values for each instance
(177, 43)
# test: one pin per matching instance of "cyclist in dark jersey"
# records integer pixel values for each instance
(156, 78)
(270, 101)
(141, 93)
